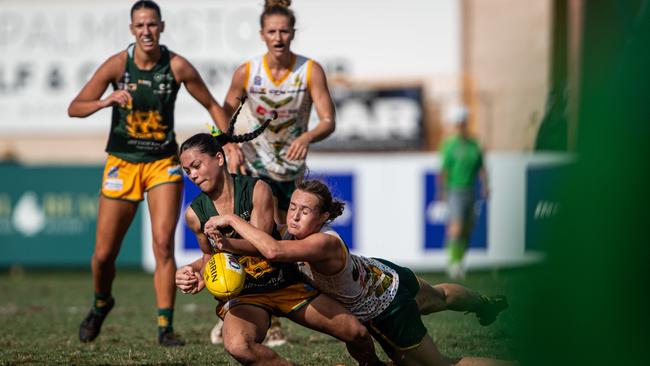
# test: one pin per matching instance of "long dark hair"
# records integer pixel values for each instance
(326, 203)
(146, 4)
(212, 143)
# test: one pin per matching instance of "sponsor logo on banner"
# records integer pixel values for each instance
(376, 118)
(436, 215)
(50, 218)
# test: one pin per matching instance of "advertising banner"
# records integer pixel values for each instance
(542, 201)
(376, 118)
(48, 217)
(50, 49)
(436, 217)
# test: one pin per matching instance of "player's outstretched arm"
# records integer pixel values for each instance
(317, 247)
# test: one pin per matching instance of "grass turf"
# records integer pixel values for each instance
(40, 314)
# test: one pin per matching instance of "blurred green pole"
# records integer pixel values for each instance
(588, 303)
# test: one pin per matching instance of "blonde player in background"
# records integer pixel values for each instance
(142, 157)
(387, 298)
(289, 84)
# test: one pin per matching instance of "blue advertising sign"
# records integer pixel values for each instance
(190, 191)
(435, 218)
(341, 185)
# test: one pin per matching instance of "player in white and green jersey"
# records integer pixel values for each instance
(289, 84)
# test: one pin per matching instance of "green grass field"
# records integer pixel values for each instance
(40, 314)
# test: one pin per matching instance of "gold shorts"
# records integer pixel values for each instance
(128, 181)
(280, 302)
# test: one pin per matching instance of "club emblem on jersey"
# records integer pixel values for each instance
(257, 80)
(255, 267)
(145, 125)
(160, 77)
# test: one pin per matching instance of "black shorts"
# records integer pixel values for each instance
(399, 327)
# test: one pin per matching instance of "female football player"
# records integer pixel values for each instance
(289, 84)
(270, 287)
(142, 157)
(386, 297)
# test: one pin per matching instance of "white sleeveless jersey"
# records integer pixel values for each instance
(290, 98)
(364, 286)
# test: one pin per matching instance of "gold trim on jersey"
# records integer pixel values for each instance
(248, 74)
(284, 77)
(309, 66)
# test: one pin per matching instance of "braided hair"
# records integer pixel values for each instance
(213, 142)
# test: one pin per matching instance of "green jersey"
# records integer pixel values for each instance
(143, 131)
(261, 275)
(461, 161)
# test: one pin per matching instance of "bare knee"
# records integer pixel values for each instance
(104, 257)
(240, 348)
(163, 249)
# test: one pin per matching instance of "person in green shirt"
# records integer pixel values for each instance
(142, 157)
(462, 163)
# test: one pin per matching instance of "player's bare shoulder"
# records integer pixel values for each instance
(181, 67)
(114, 66)
(192, 220)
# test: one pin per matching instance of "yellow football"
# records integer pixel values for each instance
(224, 276)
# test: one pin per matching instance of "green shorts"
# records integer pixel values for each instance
(399, 327)
(282, 191)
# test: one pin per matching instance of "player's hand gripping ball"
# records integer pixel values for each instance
(224, 276)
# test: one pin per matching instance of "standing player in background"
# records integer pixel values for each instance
(287, 83)
(142, 157)
(462, 161)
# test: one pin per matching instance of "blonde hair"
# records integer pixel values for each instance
(278, 7)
